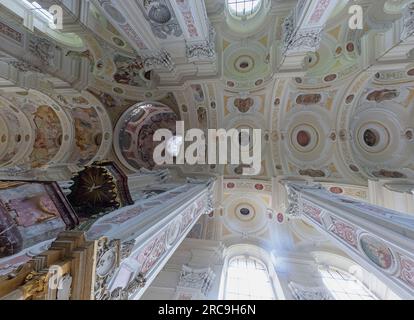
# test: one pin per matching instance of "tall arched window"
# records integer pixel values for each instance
(248, 279)
(344, 286)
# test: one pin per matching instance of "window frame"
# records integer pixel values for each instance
(323, 270)
(246, 257)
(233, 10)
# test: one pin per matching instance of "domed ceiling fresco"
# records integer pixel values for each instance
(135, 130)
(250, 80)
(304, 107)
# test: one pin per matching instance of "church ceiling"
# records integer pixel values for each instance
(323, 103)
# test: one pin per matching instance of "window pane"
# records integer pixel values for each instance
(344, 286)
(242, 8)
(248, 279)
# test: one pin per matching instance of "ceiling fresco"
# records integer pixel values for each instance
(135, 132)
(252, 80)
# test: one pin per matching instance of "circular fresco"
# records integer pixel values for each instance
(377, 251)
(336, 190)
(303, 138)
(244, 64)
(118, 41)
(173, 232)
(135, 130)
(245, 212)
(373, 137)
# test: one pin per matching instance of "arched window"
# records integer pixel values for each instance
(344, 286)
(248, 279)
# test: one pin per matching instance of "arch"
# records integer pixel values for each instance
(51, 124)
(343, 285)
(92, 127)
(258, 257)
(133, 137)
(17, 136)
(351, 269)
(375, 129)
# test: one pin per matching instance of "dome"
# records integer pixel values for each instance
(135, 130)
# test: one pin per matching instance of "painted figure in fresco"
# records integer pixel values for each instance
(303, 138)
(388, 174)
(336, 190)
(80, 100)
(197, 92)
(370, 138)
(244, 105)
(88, 135)
(48, 129)
(202, 115)
(383, 95)
(32, 210)
(29, 214)
(83, 134)
(128, 71)
(377, 253)
(312, 173)
(146, 145)
(308, 99)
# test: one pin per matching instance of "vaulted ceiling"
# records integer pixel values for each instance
(333, 103)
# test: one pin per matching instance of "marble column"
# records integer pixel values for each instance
(135, 242)
(379, 239)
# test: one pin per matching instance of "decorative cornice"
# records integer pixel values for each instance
(158, 60)
(408, 21)
(203, 49)
(198, 279)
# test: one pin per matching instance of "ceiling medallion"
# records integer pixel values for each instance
(373, 137)
(245, 212)
(280, 217)
(244, 64)
(259, 82)
(304, 138)
(243, 105)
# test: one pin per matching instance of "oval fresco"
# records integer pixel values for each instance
(136, 130)
(377, 251)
